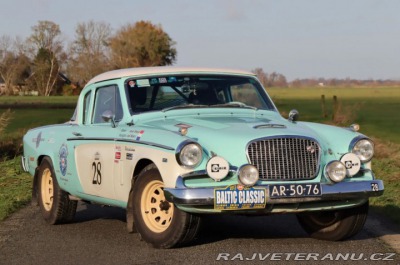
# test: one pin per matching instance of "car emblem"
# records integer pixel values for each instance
(311, 149)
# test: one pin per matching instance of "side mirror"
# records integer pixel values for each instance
(293, 115)
(108, 116)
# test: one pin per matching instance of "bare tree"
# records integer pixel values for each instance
(89, 52)
(142, 44)
(273, 79)
(261, 75)
(13, 62)
(47, 47)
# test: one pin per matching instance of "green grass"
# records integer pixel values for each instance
(374, 109)
(23, 119)
(15, 187)
(10, 100)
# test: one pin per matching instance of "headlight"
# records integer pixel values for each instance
(364, 149)
(248, 175)
(189, 154)
(336, 171)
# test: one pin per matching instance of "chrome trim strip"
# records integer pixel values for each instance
(121, 140)
(200, 173)
(24, 165)
(269, 125)
(182, 195)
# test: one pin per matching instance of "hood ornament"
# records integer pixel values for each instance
(183, 128)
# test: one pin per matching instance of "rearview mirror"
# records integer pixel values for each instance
(293, 115)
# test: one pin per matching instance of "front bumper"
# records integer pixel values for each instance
(340, 192)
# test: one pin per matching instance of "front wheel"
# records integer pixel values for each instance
(158, 221)
(334, 225)
(55, 205)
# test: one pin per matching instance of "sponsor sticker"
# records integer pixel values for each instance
(130, 149)
(239, 197)
(217, 168)
(129, 156)
(172, 79)
(162, 80)
(352, 164)
(63, 154)
(139, 135)
(117, 155)
(38, 139)
(153, 81)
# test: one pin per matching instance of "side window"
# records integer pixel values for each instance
(86, 103)
(107, 99)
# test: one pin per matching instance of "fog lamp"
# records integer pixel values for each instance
(248, 175)
(336, 171)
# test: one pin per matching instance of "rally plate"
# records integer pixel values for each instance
(239, 197)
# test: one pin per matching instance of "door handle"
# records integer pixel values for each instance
(76, 134)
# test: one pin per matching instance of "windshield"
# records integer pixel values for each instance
(188, 91)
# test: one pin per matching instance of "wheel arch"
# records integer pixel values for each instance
(140, 165)
(36, 177)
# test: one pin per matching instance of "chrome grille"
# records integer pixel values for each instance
(285, 158)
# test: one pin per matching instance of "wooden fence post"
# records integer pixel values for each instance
(323, 106)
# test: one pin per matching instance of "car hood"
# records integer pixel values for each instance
(228, 132)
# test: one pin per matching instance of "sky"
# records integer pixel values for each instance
(297, 38)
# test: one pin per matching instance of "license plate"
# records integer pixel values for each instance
(294, 190)
(239, 197)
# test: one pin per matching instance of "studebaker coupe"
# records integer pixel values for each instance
(170, 144)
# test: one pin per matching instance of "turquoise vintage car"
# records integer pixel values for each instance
(170, 144)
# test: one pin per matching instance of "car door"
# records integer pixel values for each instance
(94, 147)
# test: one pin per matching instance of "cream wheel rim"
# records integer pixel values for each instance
(47, 189)
(157, 212)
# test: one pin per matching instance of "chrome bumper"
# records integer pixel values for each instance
(182, 195)
(24, 164)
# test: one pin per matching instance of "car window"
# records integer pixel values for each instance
(163, 92)
(107, 99)
(86, 103)
(246, 94)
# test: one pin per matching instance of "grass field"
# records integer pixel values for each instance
(10, 100)
(375, 109)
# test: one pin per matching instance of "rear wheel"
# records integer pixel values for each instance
(55, 205)
(334, 225)
(158, 221)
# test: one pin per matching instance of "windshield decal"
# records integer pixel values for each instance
(143, 82)
(131, 83)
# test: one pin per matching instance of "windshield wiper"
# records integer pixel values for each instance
(234, 104)
(184, 107)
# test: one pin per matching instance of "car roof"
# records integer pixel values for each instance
(162, 70)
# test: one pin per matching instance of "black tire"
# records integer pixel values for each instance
(334, 225)
(159, 222)
(54, 203)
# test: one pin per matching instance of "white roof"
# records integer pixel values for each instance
(162, 70)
